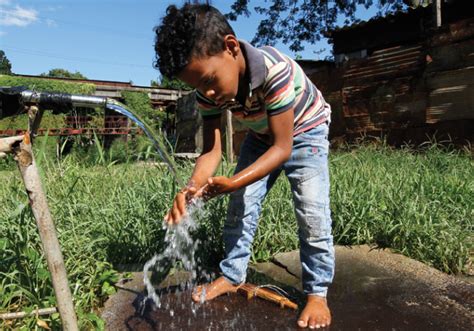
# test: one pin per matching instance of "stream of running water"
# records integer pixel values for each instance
(155, 139)
(178, 244)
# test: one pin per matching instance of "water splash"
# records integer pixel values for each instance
(157, 142)
(180, 246)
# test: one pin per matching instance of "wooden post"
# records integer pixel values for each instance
(229, 137)
(39, 205)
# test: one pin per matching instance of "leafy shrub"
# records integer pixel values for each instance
(50, 85)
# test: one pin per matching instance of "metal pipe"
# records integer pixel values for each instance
(437, 12)
(62, 99)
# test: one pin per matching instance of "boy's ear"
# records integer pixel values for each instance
(231, 44)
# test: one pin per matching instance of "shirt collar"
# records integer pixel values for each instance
(256, 64)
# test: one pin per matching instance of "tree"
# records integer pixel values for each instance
(5, 65)
(63, 73)
(175, 84)
(297, 21)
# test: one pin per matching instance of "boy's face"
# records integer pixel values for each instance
(217, 77)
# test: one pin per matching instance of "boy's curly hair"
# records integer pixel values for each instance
(195, 30)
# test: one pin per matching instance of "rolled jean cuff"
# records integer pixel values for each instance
(231, 281)
(319, 294)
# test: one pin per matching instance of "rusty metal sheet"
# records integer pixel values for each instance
(451, 95)
(386, 63)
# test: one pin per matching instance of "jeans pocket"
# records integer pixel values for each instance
(319, 133)
(308, 160)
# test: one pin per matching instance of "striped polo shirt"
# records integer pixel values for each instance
(276, 84)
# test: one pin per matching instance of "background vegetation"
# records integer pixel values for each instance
(5, 64)
(63, 73)
(140, 104)
(38, 84)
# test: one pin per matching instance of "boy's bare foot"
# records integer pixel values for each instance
(214, 289)
(316, 314)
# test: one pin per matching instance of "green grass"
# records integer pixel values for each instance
(106, 214)
(420, 204)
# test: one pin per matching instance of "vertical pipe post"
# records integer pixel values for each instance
(229, 137)
(437, 12)
(39, 205)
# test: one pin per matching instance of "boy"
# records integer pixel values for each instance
(288, 121)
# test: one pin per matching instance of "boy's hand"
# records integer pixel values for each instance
(218, 185)
(181, 199)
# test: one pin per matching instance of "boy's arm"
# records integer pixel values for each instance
(281, 127)
(208, 161)
(205, 166)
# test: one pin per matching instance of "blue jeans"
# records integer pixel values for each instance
(307, 172)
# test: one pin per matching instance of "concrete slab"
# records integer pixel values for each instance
(278, 273)
(372, 290)
(383, 290)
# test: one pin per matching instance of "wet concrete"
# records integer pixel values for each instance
(130, 310)
(372, 290)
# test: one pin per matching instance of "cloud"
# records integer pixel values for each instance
(17, 16)
(52, 8)
(4, 2)
(2, 33)
(51, 23)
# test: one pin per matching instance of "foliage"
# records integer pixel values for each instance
(175, 84)
(417, 203)
(5, 65)
(139, 103)
(39, 84)
(48, 121)
(296, 21)
(63, 73)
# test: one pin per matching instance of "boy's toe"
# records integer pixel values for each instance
(197, 294)
(326, 321)
(303, 321)
(313, 323)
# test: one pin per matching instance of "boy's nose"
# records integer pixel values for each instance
(210, 93)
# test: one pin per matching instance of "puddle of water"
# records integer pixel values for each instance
(179, 312)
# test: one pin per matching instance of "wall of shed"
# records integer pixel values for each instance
(408, 92)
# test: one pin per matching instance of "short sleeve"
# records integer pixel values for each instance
(279, 88)
(207, 107)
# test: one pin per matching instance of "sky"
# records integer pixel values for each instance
(102, 39)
